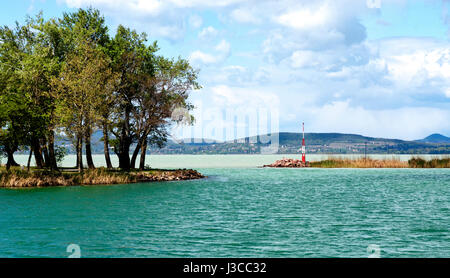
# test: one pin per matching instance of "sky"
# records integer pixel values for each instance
(378, 68)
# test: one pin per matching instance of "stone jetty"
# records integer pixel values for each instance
(288, 163)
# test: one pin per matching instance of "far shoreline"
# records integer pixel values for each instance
(363, 162)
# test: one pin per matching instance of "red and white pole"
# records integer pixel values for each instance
(303, 146)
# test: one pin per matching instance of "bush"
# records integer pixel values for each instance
(60, 153)
(417, 162)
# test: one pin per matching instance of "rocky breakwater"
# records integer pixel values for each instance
(169, 175)
(288, 163)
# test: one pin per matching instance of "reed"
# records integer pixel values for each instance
(359, 163)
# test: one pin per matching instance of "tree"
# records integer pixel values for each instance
(88, 78)
(19, 89)
(158, 98)
(131, 59)
(28, 55)
(67, 76)
(11, 108)
(85, 30)
(150, 88)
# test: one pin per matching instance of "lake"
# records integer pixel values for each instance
(238, 211)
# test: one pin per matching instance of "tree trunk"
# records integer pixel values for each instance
(51, 151)
(87, 143)
(11, 161)
(29, 160)
(124, 157)
(36, 148)
(123, 151)
(80, 152)
(76, 151)
(46, 156)
(125, 142)
(106, 146)
(135, 153)
(143, 153)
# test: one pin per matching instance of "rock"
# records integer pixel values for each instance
(288, 163)
(176, 175)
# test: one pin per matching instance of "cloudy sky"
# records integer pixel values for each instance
(377, 67)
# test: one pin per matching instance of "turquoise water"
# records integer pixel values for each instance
(237, 212)
(219, 161)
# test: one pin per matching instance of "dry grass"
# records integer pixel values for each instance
(103, 176)
(23, 179)
(359, 163)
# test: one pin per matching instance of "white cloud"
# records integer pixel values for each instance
(303, 58)
(305, 18)
(223, 47)
(208, 33)
(195, 21)
(419, 65)
(235, 96)
(311, 55)
(199, 58)
(242, 15)
(150, 7)
(447, 92)
(405, 123)
(225, 110)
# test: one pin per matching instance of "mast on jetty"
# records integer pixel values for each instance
(303, 146)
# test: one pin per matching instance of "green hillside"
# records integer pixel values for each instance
(319, 143)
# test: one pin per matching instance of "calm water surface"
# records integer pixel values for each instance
(240, 211)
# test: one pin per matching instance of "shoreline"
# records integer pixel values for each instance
(101, 176)
(413, 163)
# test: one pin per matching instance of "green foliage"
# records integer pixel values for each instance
(67, 74)
(417, 162)
(60, 153)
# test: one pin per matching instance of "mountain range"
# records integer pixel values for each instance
(325, 143)
(288, 143)
(435, 138)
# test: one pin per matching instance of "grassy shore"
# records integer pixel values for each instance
(415, 162)
(359, 163)
(40, 178)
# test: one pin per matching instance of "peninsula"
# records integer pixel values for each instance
(23, 179)
(71, 77)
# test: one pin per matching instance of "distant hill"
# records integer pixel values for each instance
(435, 138)
(320, 143)
(290, 143)
(288, 138)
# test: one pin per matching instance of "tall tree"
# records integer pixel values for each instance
(29, 64)
(66, 75)
(88, 78)
(131, 59)
(159, 97)
(85, 30)
(150, 88)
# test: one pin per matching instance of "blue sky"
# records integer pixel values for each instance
(377, 67)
